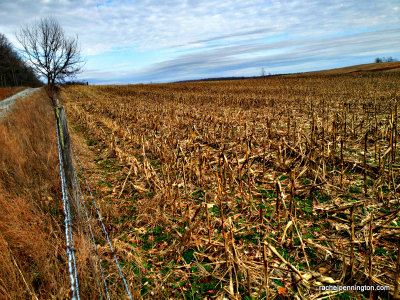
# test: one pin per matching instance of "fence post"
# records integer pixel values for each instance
(69, 170)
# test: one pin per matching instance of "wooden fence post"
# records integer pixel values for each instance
(69, 170)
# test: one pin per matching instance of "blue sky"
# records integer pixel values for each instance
(161, 41)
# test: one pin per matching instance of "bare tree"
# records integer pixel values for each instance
(385, 59)
(51, 53)
(263, 72)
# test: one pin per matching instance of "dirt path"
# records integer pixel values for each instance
(6, 105)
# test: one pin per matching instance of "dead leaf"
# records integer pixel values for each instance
(282, 291)
(323, 270)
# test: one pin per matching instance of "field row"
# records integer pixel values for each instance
(256, 187)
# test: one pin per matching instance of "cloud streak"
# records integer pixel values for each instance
(292, 55)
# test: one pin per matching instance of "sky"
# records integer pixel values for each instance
(143, 41)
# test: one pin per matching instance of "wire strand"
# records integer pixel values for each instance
(67, 222)
(102, 224)
(92, 237)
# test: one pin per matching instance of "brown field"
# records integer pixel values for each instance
(8, 92)
(386, 66)
(236, 189)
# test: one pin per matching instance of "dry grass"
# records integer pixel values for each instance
(8, 92)
(386, 66)
(235, 188)
(32, 240)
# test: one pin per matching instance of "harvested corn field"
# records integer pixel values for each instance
(265, 188)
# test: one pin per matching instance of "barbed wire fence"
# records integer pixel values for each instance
(67, 221)
(77, 215)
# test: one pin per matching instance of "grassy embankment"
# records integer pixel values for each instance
(33, 262)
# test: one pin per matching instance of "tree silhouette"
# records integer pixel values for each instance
(50, 52)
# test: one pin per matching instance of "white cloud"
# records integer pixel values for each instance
(104, 26)
(233, 60)
(157, 24)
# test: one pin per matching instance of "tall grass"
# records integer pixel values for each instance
(33, 260)
(8, 92)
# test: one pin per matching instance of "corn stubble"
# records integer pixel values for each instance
(257, 188)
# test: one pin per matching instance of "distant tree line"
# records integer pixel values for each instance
(385, 59)
(13, 70)
(77, 83)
